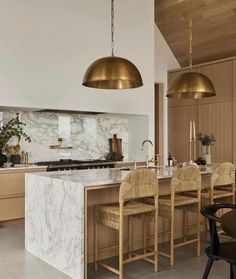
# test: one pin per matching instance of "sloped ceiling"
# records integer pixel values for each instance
(214, 28)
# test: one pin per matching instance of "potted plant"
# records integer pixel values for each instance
(206, 141)
(14, 128)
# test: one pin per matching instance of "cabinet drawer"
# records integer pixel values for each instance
(12, 183)
(12, 208)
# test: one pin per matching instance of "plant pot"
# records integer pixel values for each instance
(15, 159)
(3, 159)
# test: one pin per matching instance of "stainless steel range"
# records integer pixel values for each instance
(68, 164)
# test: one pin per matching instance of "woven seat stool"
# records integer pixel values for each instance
(221, 188)
(185, 179)
(222, 185)
(138, 184)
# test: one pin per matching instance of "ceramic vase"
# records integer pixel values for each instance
(206, 153)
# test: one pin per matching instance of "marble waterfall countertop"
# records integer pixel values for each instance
(55, 214)
(97, 177)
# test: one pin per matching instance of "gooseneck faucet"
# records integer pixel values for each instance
(147, 156)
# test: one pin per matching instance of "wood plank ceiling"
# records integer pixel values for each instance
(214, 28)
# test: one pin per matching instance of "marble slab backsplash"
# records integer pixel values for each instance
(87, 134)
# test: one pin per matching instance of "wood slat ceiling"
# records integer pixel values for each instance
(214, 28)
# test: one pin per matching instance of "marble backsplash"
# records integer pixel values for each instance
(87, 134)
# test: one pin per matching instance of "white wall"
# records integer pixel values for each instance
(46, 46)
(164, 61)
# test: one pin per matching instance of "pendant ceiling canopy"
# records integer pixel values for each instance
(191, 85)
(112, 72)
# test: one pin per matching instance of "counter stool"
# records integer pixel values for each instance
(186, 179)
(222, 185)
(221, 188)
(138, 184)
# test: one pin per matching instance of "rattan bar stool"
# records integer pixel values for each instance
(221, 188)
(222, 185)
(138, 184)
(186, 179)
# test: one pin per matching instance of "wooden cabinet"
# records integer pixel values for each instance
(215, 115)
(179, 119)
(12, 194)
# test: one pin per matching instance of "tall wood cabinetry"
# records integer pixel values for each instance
(214, 115)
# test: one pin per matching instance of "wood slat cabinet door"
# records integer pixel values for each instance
(179, 131)
(216, 113)
(221, 75)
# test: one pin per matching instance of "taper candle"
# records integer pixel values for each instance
(190, 134)
(194, 130)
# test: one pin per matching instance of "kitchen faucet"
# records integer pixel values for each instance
(147, 156)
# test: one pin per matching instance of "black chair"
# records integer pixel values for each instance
(218, 251)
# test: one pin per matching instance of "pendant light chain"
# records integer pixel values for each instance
(190, 36)
(112, 27)
(112, 72)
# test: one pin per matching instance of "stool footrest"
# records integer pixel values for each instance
(108, 267)
(139, 257)
(185, 243)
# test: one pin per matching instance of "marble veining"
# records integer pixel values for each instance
(89, 134)
(54, 223)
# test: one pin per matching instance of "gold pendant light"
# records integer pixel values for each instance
(112, 72)
(191, 85)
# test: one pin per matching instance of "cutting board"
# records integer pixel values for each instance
(115, 144)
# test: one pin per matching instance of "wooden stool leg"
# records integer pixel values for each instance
(172, 234)
(198, 225)
(95, 243)
(184, 224)
(121, 237)
(144, 235)
(130, 236)
(156, 236)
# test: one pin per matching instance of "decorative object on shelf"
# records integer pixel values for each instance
(60, 145)
(112, 72)
(115, 153)
(14, 128)
(3, 158)
(14, 151)
(192, 140)
(191, 85)
(206, 141)
(200, 161)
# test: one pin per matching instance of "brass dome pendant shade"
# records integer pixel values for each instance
(191, 85)
(112, 72)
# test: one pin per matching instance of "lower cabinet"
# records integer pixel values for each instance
(12, 208)
(12, 195)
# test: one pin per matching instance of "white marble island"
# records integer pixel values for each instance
(54, 215)
(56, 210)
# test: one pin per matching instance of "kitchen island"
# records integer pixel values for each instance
(60, 214)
